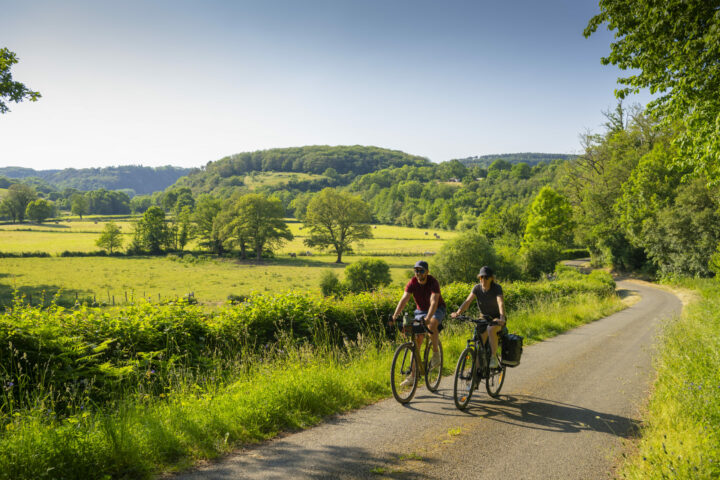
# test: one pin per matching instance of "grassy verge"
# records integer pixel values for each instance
(681, 437)
(294, 386)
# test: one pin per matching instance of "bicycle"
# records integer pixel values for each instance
(473, 366)
(403, 371)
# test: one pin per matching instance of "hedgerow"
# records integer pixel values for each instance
(69, 358)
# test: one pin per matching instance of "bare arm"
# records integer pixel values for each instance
(501, 307)
(401, 304)
(434, 300)
(464, 306)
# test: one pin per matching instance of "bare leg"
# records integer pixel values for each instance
(433, 325)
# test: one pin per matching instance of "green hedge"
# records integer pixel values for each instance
(88, 354)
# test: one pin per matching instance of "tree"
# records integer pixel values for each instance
(460, 259)
(39, 210)
(10, 90)
(367, 274)
(336, 219)
(550, 219)
(111, 238)
(673, 47)
(206, 227)
(151, 231)
(258, 220)
(79, 205)
(17, 199)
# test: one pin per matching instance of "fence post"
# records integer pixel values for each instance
(113, 300)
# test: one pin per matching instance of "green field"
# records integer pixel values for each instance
(275, 179)
(80, 235)
(211, 280)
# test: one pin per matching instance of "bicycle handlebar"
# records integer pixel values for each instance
(477, 321)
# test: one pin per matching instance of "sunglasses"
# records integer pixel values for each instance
(419, 270)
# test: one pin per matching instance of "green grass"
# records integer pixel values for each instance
(211, 279)
(681, 435)
(275, 179)
(293, 387)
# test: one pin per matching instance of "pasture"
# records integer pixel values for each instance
(211, 279)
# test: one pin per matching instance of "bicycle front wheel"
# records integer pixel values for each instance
(433, 362)
(403, 373)
(495, 380)
(464, 378)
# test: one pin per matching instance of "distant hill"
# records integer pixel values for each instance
(340, 165)
(143, 180)
(529, 158)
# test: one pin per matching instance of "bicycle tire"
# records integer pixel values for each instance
(495, 380)
(433, 375)
(465, 376)
(403, 366)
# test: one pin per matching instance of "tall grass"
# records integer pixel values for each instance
(681, 435)
(201, 414)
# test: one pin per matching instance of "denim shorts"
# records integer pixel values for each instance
(439, 314)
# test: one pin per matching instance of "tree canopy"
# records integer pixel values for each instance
(10, 90)
(674, 46)
(337, 219)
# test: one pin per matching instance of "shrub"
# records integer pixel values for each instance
(330, 284)
(367, 274)
(539, 258)
(460, 259)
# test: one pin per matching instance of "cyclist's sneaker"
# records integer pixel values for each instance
(408, 381)
(494, 362)
(434, 361)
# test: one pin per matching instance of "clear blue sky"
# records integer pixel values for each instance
(159, 82)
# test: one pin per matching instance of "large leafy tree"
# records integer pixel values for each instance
(39, 210)
(337, 219)
(206, 212)
(17, 199)
(673, 48)
(11, 90)
(111, 238)
(79, 205)
(151, 231)
(258, 220)
(550, 219)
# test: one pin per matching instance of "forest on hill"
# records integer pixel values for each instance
(139, 179)
(340, 165)
(530, 158)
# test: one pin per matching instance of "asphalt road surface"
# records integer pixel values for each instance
(565, 413)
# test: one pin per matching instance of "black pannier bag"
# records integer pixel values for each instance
(511, 350)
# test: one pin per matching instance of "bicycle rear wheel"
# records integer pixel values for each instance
(464, 383)
(495, 380)
(403, 373)
(433, 366)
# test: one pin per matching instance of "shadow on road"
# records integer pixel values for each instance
(551, 415)
(318, 463)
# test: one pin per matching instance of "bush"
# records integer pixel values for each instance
(539, 258)
(460, 259)
(366, 275)
(330, 284)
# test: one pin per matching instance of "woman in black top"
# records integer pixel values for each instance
(489, 297)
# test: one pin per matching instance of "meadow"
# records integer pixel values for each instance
(212, 280)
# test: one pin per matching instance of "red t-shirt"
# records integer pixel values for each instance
(422, 292)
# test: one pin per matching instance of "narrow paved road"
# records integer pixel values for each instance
(564, 413)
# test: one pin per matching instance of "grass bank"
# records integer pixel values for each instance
(681, 435)
(289, 386)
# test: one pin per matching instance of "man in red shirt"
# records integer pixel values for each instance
(430, 305)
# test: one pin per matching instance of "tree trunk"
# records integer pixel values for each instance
(339, 259)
